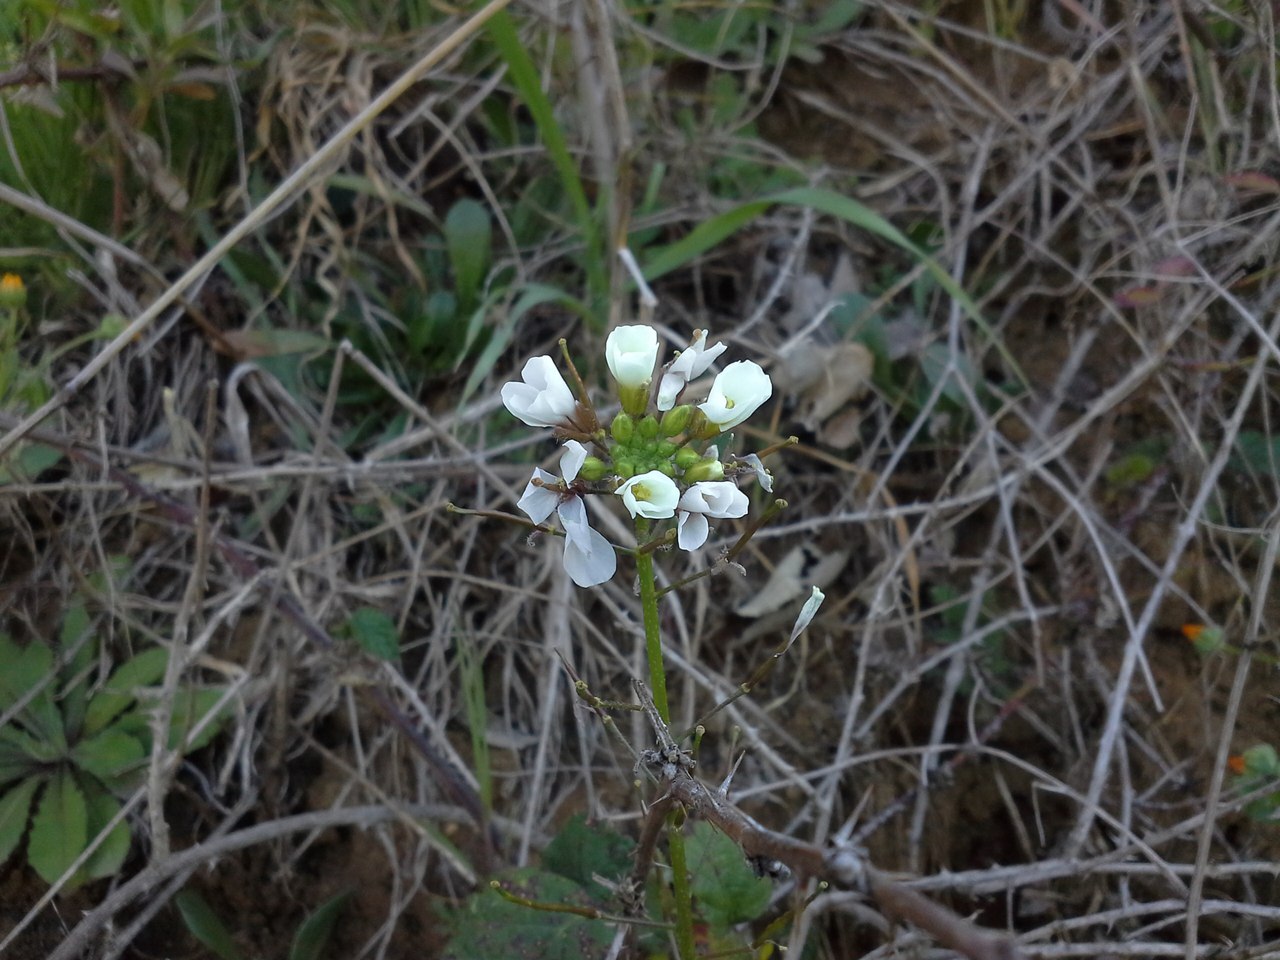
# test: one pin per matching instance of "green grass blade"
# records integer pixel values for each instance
(502, 31)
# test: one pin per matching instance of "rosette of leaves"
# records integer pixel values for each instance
(75, 739)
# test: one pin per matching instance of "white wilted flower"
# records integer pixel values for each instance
(652, 495)
(691, 364)
(543, 399)
(738, 391)
(711, 498)
(631, 351)
(588, 557)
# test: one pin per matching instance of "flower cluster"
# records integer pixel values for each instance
(655, 456)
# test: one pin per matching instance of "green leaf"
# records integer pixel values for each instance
(488, 926)
(15, 810)
(727, 890)
(581, 850)
(205, 925)
(1257, 452)
(26, 668)
(119, 692)
(313, 936)
(16, 761)
(190, 705)
(111, 753)
(75, 690)
(60, 829)
(375, 632)
(468, 236)
(31, 460)
(109, 856)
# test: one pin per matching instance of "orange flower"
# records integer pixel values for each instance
(1236, 764)
(1192, 631)
(13, 293)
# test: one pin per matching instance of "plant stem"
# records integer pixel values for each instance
(658, 684)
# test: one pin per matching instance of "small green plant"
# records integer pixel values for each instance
(1259, 766)
(309, 942)
(75, 739)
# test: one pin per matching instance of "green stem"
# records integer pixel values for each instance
(652, 633)
(658, 684)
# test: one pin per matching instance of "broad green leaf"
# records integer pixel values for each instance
(205, 925)
(313, 936)
(31, 460)
(468, 235)
(488, 926)
(20, 744)
(109, 856)
(375, 632)
(190, 705)
(15, 810)
(1257, 452)
(581, 851)
(111, 753)
(15, 763)
(726, 888)
(75, 688)
(143, 670)
(25, 669)
(60, 829)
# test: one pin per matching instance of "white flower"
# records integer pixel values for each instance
(710, 498)
(736, 394)
(543, 399)
(807, 613)
(652, 495)
(691, 364)
(631, 352)
(763, 476)
(588, 556)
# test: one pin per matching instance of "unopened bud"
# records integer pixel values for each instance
(674, 421)
(624, 468)
(593, 468)
(648, 427)
(686, 457)
(704, 470)
(13, 293)
(623, 428)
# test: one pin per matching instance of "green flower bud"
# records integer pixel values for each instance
(708, 469)
(624, 467)
(675, 420)
(665, 449)
(593, 468)
(665, 467)
(623, 428)
(686, 457)
(648, 427)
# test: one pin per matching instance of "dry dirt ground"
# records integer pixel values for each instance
(998, 696)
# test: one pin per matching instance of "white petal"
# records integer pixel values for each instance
(571, 461)
(631, 351)
(689, 365)
(807, 613)
(737, 392)
(653, 495)
(693, 530)
(763, 476)
(573, 517)
(715, 498)
(589, 560)
(543, 399)
(539, 502)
